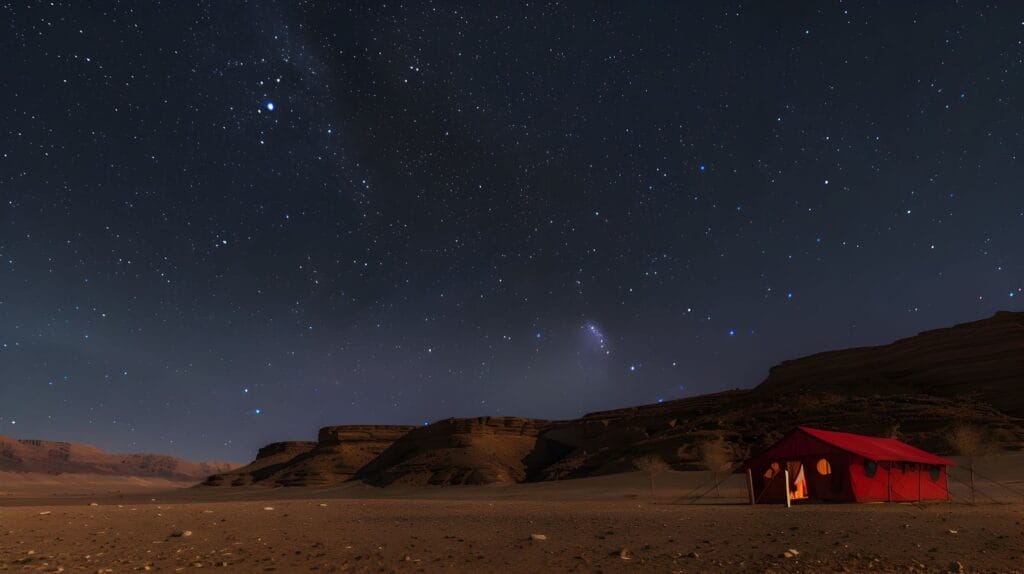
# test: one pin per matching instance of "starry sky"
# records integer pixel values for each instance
(225, 224)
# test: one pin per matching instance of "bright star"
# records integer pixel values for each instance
(270, 106)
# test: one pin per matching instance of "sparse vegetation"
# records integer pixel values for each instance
(969, 442)
(651, 465)
(716, 457)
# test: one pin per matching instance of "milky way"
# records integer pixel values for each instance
(223, 224)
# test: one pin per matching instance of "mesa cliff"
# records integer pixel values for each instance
(53, 457)
(484, 450)
(915, 389)
(336, 456)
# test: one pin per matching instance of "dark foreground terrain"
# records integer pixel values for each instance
(610, 524)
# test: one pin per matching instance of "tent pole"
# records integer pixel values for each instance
(889, 476)
(750, 485)
(919, 468)
(785, 474)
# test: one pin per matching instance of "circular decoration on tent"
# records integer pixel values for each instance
(870, 468)
(772, 471)
(933, 472)
(824, 468)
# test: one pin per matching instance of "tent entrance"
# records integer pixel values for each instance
(797, 480)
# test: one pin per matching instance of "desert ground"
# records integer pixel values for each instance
(602, 524)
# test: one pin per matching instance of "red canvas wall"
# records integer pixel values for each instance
(910, 483)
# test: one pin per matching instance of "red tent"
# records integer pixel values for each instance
(839, 466)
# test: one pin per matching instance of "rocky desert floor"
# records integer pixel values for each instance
(605, 524)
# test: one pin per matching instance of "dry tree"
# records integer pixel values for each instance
(651, 465)
(715, 456)
(969, 442)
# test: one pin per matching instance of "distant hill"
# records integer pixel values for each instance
(50, 457)
(981, 361)
(915, 389)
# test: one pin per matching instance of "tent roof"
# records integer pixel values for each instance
(873, 448)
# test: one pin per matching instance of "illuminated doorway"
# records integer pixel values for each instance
(797, 480)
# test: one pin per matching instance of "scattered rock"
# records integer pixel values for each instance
(954, 531)
(268, 508)
(539, 537)
(791, 553)
(93, 504)
(693, 555)
(625, 554)
(181, 534)
(956, 567)
(323, 505)
(44, 513)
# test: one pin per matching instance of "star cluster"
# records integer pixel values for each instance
(223, 225)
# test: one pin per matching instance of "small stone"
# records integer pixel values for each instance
(693, 555)
(539, 537)
(956, 567)
(181, 534)
(323, 505)
(44, 513)
(625, 554)
(954, 531)
(268, 508)
(93, 504)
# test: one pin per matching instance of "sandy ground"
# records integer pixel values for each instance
(609, 524)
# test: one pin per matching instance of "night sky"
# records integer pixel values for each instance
(224, 225)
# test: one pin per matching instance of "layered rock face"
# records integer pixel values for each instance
(50, 457)
(269, 460)
(339, 453)
(335, 457)
(982, 360)
(746, 423)
(485, 450)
